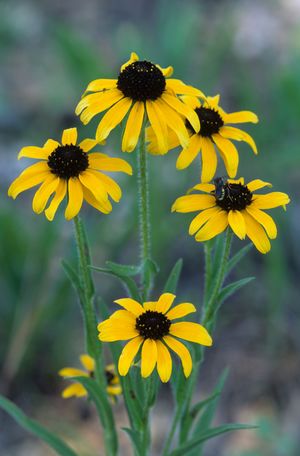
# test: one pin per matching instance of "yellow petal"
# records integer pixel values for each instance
(215, 225)
(69, 136)
(257, 184)
(75, 195)
(237, 223)
(183, 309)
(183, 89)
(148, 357)
(174, 122)
(264, 219)
(87, 144)
(133, 127)
(164, 303)
(117, 332)
(94, 104)
(182, 109)
(112, 118)
(180, 349)
(33, 152)
(114, 390)
(213, 101)
(133, 58)
(202, 218)
(193, 332)
(188, 155)
(60, 193)
(207, 188)
(152, 147)
(101, 84)
(192, 203)
(111, 186)
(50, 145)
(91, 180)
(256, 234)
(193, 102)
(103, 206)
(240, 117)
(273, 199)
(128, 354)
(167, 72)
(150, 305)
(104, 163)
(42, 195)
(72, 372)
(23, 183)
(131, 305)
(238, 135)
(88, 362)
(76, 389)
(159, 126)
(229, 154)
(164, 362)
(209, 160)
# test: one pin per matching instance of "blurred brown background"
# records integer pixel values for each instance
(250, 53)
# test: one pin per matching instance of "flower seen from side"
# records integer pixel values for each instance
(215, 134)
(67, 169)
(150, 329)
(234, 204)
(144, 90)
(76, 389)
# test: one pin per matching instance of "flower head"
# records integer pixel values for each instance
(144, 90)
(214, 134)
(67, 169)
(150, 326)
(78, 390)
(235, 204)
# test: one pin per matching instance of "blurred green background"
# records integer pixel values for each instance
(249, 52)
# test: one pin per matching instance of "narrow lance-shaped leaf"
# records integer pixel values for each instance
(232, 288)
(238, 257)
(128, 283)
(172, 281)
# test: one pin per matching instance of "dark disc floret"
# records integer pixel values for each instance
(153, 325)
(210, 121)
(233, 196)
(109, 376)
(141, 81)
(68, 161)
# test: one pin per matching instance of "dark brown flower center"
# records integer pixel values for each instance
(153, 325)
(231, 196)
(68, 161)
(141, 81)
(109, 376)
(210, 121)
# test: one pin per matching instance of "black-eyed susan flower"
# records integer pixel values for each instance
(234, 204)
(215, 133)
(68, 169)
(78, 390)
(144, 90)
(150, 326)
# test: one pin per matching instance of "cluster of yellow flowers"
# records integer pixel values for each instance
(169, 114)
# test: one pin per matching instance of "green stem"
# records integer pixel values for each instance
(144, 211)
(93, 345)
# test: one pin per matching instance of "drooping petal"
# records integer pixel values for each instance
(193, 332)
(273, 199)
(42, 195)
(75, 195)
(111, 186)
(133, 127)
(192, 203)
(202, 218)
(182, 109)
(94, 104)
(104, 163)
(33, 152)
(60, 193)
(174, 122)
(191, 101)
(209, 160)
(69, 136)
(188, 155)
(72, 372)
(257, 184)
(76, 389)
(240, 117)
(183, 89)
(91, 180)
(131, 305)
(152, 147)
(128, 354)
(148, 357)
(256, 234)
(159, 126)
(180, 349)
(214, 226)
(229, 154)
(264, 219)
(237, 223)
(181, 310)
(164, 303)
(101, 84)
(164, 362)
(88, 362)
(112, 118)
(238, 135)
(23, 183)
(103, 206)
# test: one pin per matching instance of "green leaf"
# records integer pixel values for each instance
(238, 257)
(200, 405)
(123, 269)
(232, 288)
(135, 439)
(172, 281)
(35, 428)
(209, 434)
(73, 277)
(128, 283)
(150, 271)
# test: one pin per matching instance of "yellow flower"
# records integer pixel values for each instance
(142, 88)
(214, 132)
(233, 203)
(150, 326)
(67, 169)
(78, 390)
